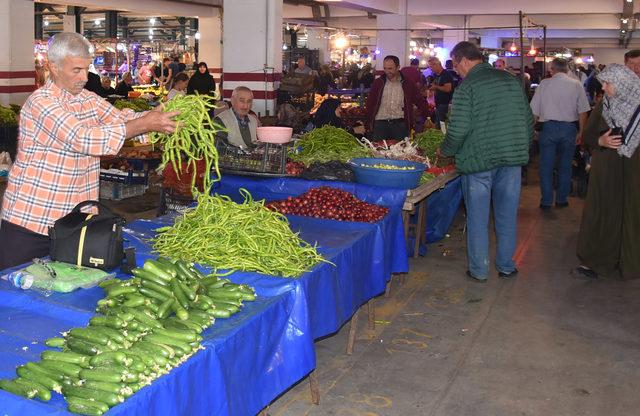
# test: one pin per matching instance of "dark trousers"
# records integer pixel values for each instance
(19, 245)
(390, 129)
(441, 114)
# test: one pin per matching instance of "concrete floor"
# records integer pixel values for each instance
(544, 343)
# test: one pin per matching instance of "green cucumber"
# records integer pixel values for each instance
(165, 308)
(145, 274)
(151, 352)
(114, 334)
(184, 271)
(39, 377)
(101, 374)
(154, 347)
(84, 347)
(220, 313)
(67, 356)
(114, 388)
(16, 388)
(114, 292)
(108, 398)
(190, 294)
(42, 392)
(144, 318)
(90, 335)
(105, 283)
(44, 372)
(190, 324)
(180, 312)
(68, 369)
(109, 357)
(221, 294)
(110, 321)
(86, 406)
(163, 290)
(170, 341)
(152, 294)
(137, 355)
(133, 300)
(159, 269)
(55, 342)
(179, 294)
(187, 336)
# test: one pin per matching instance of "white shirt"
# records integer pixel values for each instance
(559, 98)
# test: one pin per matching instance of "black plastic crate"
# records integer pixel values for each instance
(128, 178)
(266, 158)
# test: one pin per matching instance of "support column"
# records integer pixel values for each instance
(69, 20)
(316, 40)
(256, 64)
(210, 44)
(393, 42)
(17, 70)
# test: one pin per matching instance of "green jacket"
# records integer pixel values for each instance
(491, 124)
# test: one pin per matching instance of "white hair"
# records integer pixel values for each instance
(66, 44)
(240, 89)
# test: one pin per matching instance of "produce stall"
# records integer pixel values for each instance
(240, 369)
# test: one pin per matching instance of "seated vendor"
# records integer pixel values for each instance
(241, 125)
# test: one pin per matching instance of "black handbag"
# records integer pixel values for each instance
(90, 240)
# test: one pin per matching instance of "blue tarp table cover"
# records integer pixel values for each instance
(247, 360)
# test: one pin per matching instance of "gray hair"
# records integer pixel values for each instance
(560, 65)
(240, 89)
(69, 44)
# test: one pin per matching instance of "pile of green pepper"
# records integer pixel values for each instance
(429, 141)
(194, 139)
(148, 325)
(248, 237)
(329, 143)
(8, 116)
(137, 105)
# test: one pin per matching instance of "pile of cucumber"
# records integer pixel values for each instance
(148, 325)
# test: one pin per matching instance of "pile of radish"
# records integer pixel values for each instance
(331, 203)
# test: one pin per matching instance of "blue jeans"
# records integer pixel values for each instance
(502, 187)
(557, 140)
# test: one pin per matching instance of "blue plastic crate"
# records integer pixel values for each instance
(390, 178)
(128, 178)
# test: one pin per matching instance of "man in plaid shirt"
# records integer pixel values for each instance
(64, 129)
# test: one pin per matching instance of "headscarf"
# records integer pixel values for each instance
(619, 109)
(326, 114)
(201, 83)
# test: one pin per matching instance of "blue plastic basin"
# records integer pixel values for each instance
(390, 178)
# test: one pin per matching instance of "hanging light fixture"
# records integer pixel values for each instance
(533, 51)
(513, 46)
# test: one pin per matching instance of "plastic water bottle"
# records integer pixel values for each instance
(21, 279)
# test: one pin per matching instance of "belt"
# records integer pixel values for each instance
(392, 120)
(558, 121)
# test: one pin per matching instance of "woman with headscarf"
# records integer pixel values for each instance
(202, 82)
(329, 113)
(609, 234)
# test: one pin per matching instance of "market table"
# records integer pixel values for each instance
(417, 201)
(248, 359)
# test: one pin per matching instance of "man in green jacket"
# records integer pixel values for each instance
(489, 132)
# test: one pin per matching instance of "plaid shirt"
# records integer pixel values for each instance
(58, 163)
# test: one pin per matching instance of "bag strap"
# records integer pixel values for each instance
(101, 207)
(130, 263)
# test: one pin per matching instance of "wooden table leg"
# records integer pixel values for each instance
(420, 228)
(314, 387)
(406, 221)
(352, 332)
(371, 311)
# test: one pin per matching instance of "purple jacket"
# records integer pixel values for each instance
(411, 96)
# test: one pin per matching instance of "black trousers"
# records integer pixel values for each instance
(390, 129)
(19, 245)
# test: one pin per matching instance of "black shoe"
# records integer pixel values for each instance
(562, 204)
(545, 207)
(509, 275)
(585, 273)
(475, 279)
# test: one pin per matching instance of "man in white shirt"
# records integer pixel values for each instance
(303, 68)
(561, 104)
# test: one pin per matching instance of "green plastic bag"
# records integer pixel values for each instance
(63, 277)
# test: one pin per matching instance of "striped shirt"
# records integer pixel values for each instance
(61, 139)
